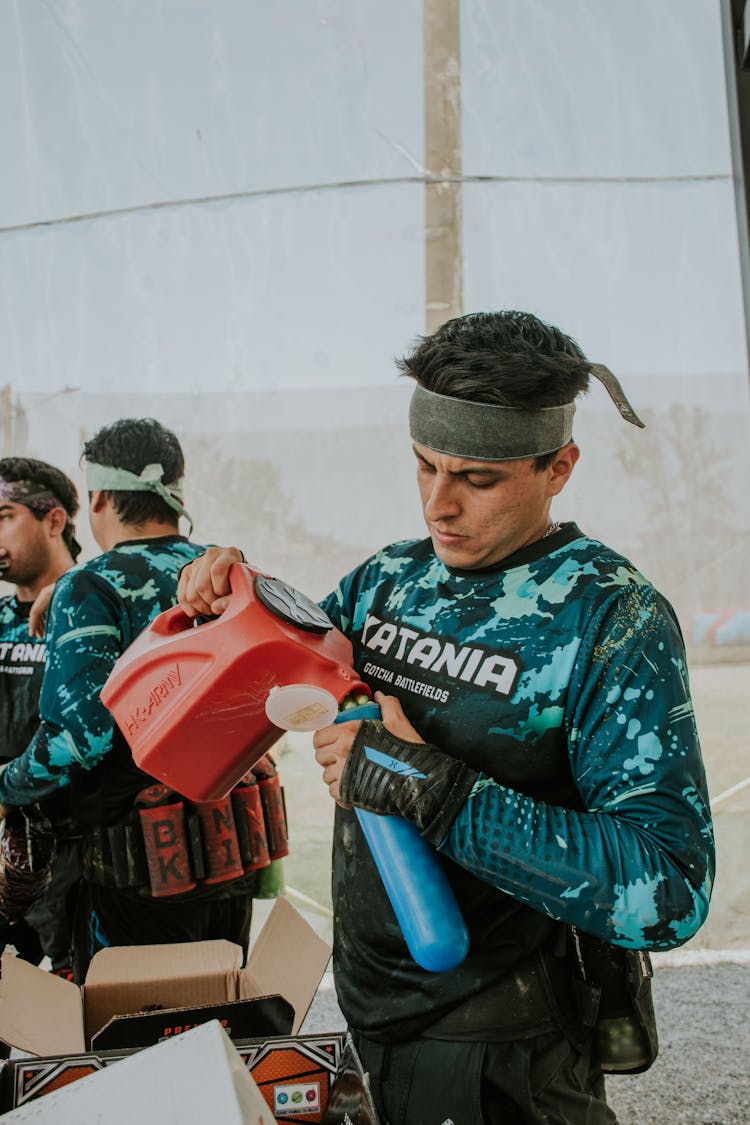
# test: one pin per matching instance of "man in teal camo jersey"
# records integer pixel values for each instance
(537, 720)
(38, 506)
(134, 474)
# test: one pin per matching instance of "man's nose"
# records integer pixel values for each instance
(442, 502)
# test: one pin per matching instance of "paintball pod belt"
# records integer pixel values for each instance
(167, 845)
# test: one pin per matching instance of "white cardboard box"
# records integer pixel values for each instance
(197, 1076)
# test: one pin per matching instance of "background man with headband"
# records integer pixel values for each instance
(537, 729)
(38, 506)
(134, 477)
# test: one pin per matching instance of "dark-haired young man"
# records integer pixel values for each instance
(538, 731)
(129, 895)
(38, 506)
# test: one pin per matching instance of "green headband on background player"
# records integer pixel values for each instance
(109, 478)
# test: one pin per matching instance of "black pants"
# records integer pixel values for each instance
(52, 915)
(539, 1081)
(105, 916)
(24, 939)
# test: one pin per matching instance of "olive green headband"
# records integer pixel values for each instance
(109, 478)
(482, 431)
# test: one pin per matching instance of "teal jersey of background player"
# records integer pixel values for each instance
(96, 611)
(559, 676)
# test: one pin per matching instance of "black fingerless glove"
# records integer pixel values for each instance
(414, 780)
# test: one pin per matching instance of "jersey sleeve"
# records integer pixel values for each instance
(347, 605)
(337, 604)
(340, 604)
(634, 865)
(84, 639)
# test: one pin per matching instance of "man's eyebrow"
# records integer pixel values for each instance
(471, 470)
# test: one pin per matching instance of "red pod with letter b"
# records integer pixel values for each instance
(167, 855)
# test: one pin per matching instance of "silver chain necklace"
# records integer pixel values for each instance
(553, 527)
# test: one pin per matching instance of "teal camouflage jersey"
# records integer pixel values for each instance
(96, 611)
(22, 663)
(560, 677)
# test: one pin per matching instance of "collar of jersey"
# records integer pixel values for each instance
(566, 534)
(152, 539)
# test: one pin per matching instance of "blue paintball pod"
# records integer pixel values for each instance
(415, 882)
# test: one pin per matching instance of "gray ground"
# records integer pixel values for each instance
(702, 1074)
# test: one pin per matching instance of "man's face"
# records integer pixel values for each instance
(24, 544)
(479, 512)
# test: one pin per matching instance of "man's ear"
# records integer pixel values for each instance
(561, 468)
(97, 500)
(56, 520)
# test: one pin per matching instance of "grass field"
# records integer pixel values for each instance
(721, 695)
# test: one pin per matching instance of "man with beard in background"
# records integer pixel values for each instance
(38, 505)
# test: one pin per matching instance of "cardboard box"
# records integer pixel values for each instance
(301, 1078)
(139, 995)
(197, 1076)
(294, 1073)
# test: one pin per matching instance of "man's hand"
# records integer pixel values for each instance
(332, 744)
(38, 611)
(204, 588)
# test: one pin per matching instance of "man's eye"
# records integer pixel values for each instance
(480, 482)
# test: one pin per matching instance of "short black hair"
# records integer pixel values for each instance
(51, 480)
(133, 443)
(505, 358)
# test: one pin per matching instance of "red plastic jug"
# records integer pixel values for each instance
(191, 700)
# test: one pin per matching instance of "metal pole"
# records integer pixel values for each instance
(735, 17)
(442, 97)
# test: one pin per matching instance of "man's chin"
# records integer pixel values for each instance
(458, 557)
